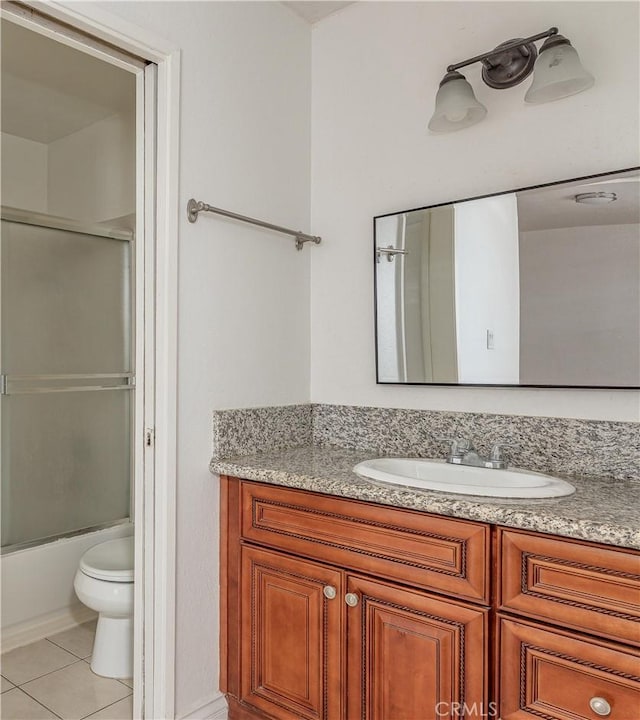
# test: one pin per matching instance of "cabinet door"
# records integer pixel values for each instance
(292, 636)
(412, 656)
(558, 676)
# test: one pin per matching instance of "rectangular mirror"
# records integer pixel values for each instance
(538, 287)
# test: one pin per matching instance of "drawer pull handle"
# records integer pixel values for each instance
(351, 599)
(329, 592)
(600, 706)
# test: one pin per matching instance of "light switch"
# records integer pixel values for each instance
(490, 345)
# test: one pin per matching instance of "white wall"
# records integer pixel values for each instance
(375, 71)
(586, 321)
(487, 290)
(24, 173)
(92, 172)
(243, 292)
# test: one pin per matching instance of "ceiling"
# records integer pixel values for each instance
(50, 90)
(312, 12)
(556, 206)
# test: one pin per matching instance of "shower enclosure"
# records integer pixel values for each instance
(67, 378)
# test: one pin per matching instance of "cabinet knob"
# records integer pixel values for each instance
(600, 706)
(329, 592)
(351, 599)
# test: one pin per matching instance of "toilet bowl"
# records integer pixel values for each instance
(104, 583)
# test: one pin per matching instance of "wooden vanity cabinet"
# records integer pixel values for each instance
(336, 609)
(571, 651)
(309, 639)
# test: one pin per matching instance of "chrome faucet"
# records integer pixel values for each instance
(464, 453)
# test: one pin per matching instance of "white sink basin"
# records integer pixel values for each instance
(463, 479)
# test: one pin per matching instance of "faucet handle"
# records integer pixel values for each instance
(496, 450)
(464, 445)
(459, 445)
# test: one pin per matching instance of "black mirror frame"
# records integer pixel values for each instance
(483, 385)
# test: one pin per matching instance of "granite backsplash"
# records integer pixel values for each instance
(249, 430)
(596, 448)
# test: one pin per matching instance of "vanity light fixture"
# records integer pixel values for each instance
(558, 73)
(596, 198)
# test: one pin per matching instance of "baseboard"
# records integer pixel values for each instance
(44, 626)
(212, 709)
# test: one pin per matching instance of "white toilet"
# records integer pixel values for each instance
(104, 582)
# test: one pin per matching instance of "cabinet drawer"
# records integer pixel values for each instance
(590, 587)
(552, 675)
(425, 551)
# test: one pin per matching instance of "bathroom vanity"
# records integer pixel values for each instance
(357, 601)
(345, 597)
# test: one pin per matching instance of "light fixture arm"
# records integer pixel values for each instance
(503, 48)
(558, 74)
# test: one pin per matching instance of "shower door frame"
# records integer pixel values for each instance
(155, 435)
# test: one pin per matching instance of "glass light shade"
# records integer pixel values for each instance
(456, 105)
(558, 73)
(596, 198)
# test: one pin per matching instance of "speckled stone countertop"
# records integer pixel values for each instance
(603, 511)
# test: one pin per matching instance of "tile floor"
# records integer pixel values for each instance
(51, 679)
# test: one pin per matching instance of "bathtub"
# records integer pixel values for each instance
(38, 599)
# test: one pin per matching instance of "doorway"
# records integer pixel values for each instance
(151, 399)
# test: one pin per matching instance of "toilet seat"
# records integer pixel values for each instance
(111, 561)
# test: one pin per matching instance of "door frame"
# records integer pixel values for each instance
(155, 491)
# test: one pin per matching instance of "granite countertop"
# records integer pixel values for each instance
(601, 510)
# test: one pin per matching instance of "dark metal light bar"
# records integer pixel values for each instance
(507, 46)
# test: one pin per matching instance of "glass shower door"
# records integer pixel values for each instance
(67, 378)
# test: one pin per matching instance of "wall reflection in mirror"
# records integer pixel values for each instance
(535, 287)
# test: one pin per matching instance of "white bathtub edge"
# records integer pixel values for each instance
(37, 595)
